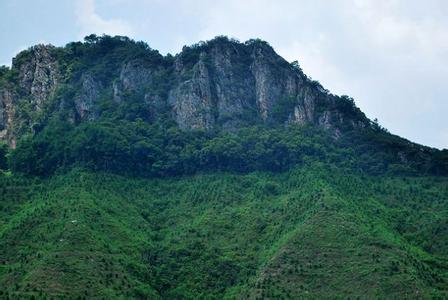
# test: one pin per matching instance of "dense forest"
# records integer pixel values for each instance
(138, 148)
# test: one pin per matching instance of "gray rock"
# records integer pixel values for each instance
(135, 76)
(85, 102)
(232, 85)
(38, 75)
(191, 99)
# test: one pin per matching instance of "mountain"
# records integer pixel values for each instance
(109, 86)
(220, 83)
(220, 172)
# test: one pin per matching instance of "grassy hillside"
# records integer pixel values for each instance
(313, 231)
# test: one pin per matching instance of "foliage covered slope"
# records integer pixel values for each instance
(314, 231)
(222, 172)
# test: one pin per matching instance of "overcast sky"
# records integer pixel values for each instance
(391, 56)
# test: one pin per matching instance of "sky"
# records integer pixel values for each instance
(391, 56)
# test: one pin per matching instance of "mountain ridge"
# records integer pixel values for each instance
(214, 83)
(223, 172)
(217, 87)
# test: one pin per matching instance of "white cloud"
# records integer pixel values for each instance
(90, 22)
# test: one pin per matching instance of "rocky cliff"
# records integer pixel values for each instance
(221, 83)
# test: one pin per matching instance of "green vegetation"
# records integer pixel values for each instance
(122, 203)
(162, 149)
(313, 231)
(4, 149)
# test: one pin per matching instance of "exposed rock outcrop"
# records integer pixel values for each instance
(87, 98)
(233, 83)
(270, 80)
(192, 99)
(38, 73)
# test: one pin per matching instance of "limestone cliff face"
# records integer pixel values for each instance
(272, 80)
(86, 99)
(218, 84)
(37, 76)
(230, 83)
(38, 73)
(134, 76)
(191, 99)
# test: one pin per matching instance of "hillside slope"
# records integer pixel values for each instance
(310, 232)
(220, 172)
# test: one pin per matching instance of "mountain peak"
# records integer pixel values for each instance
(221, 83)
